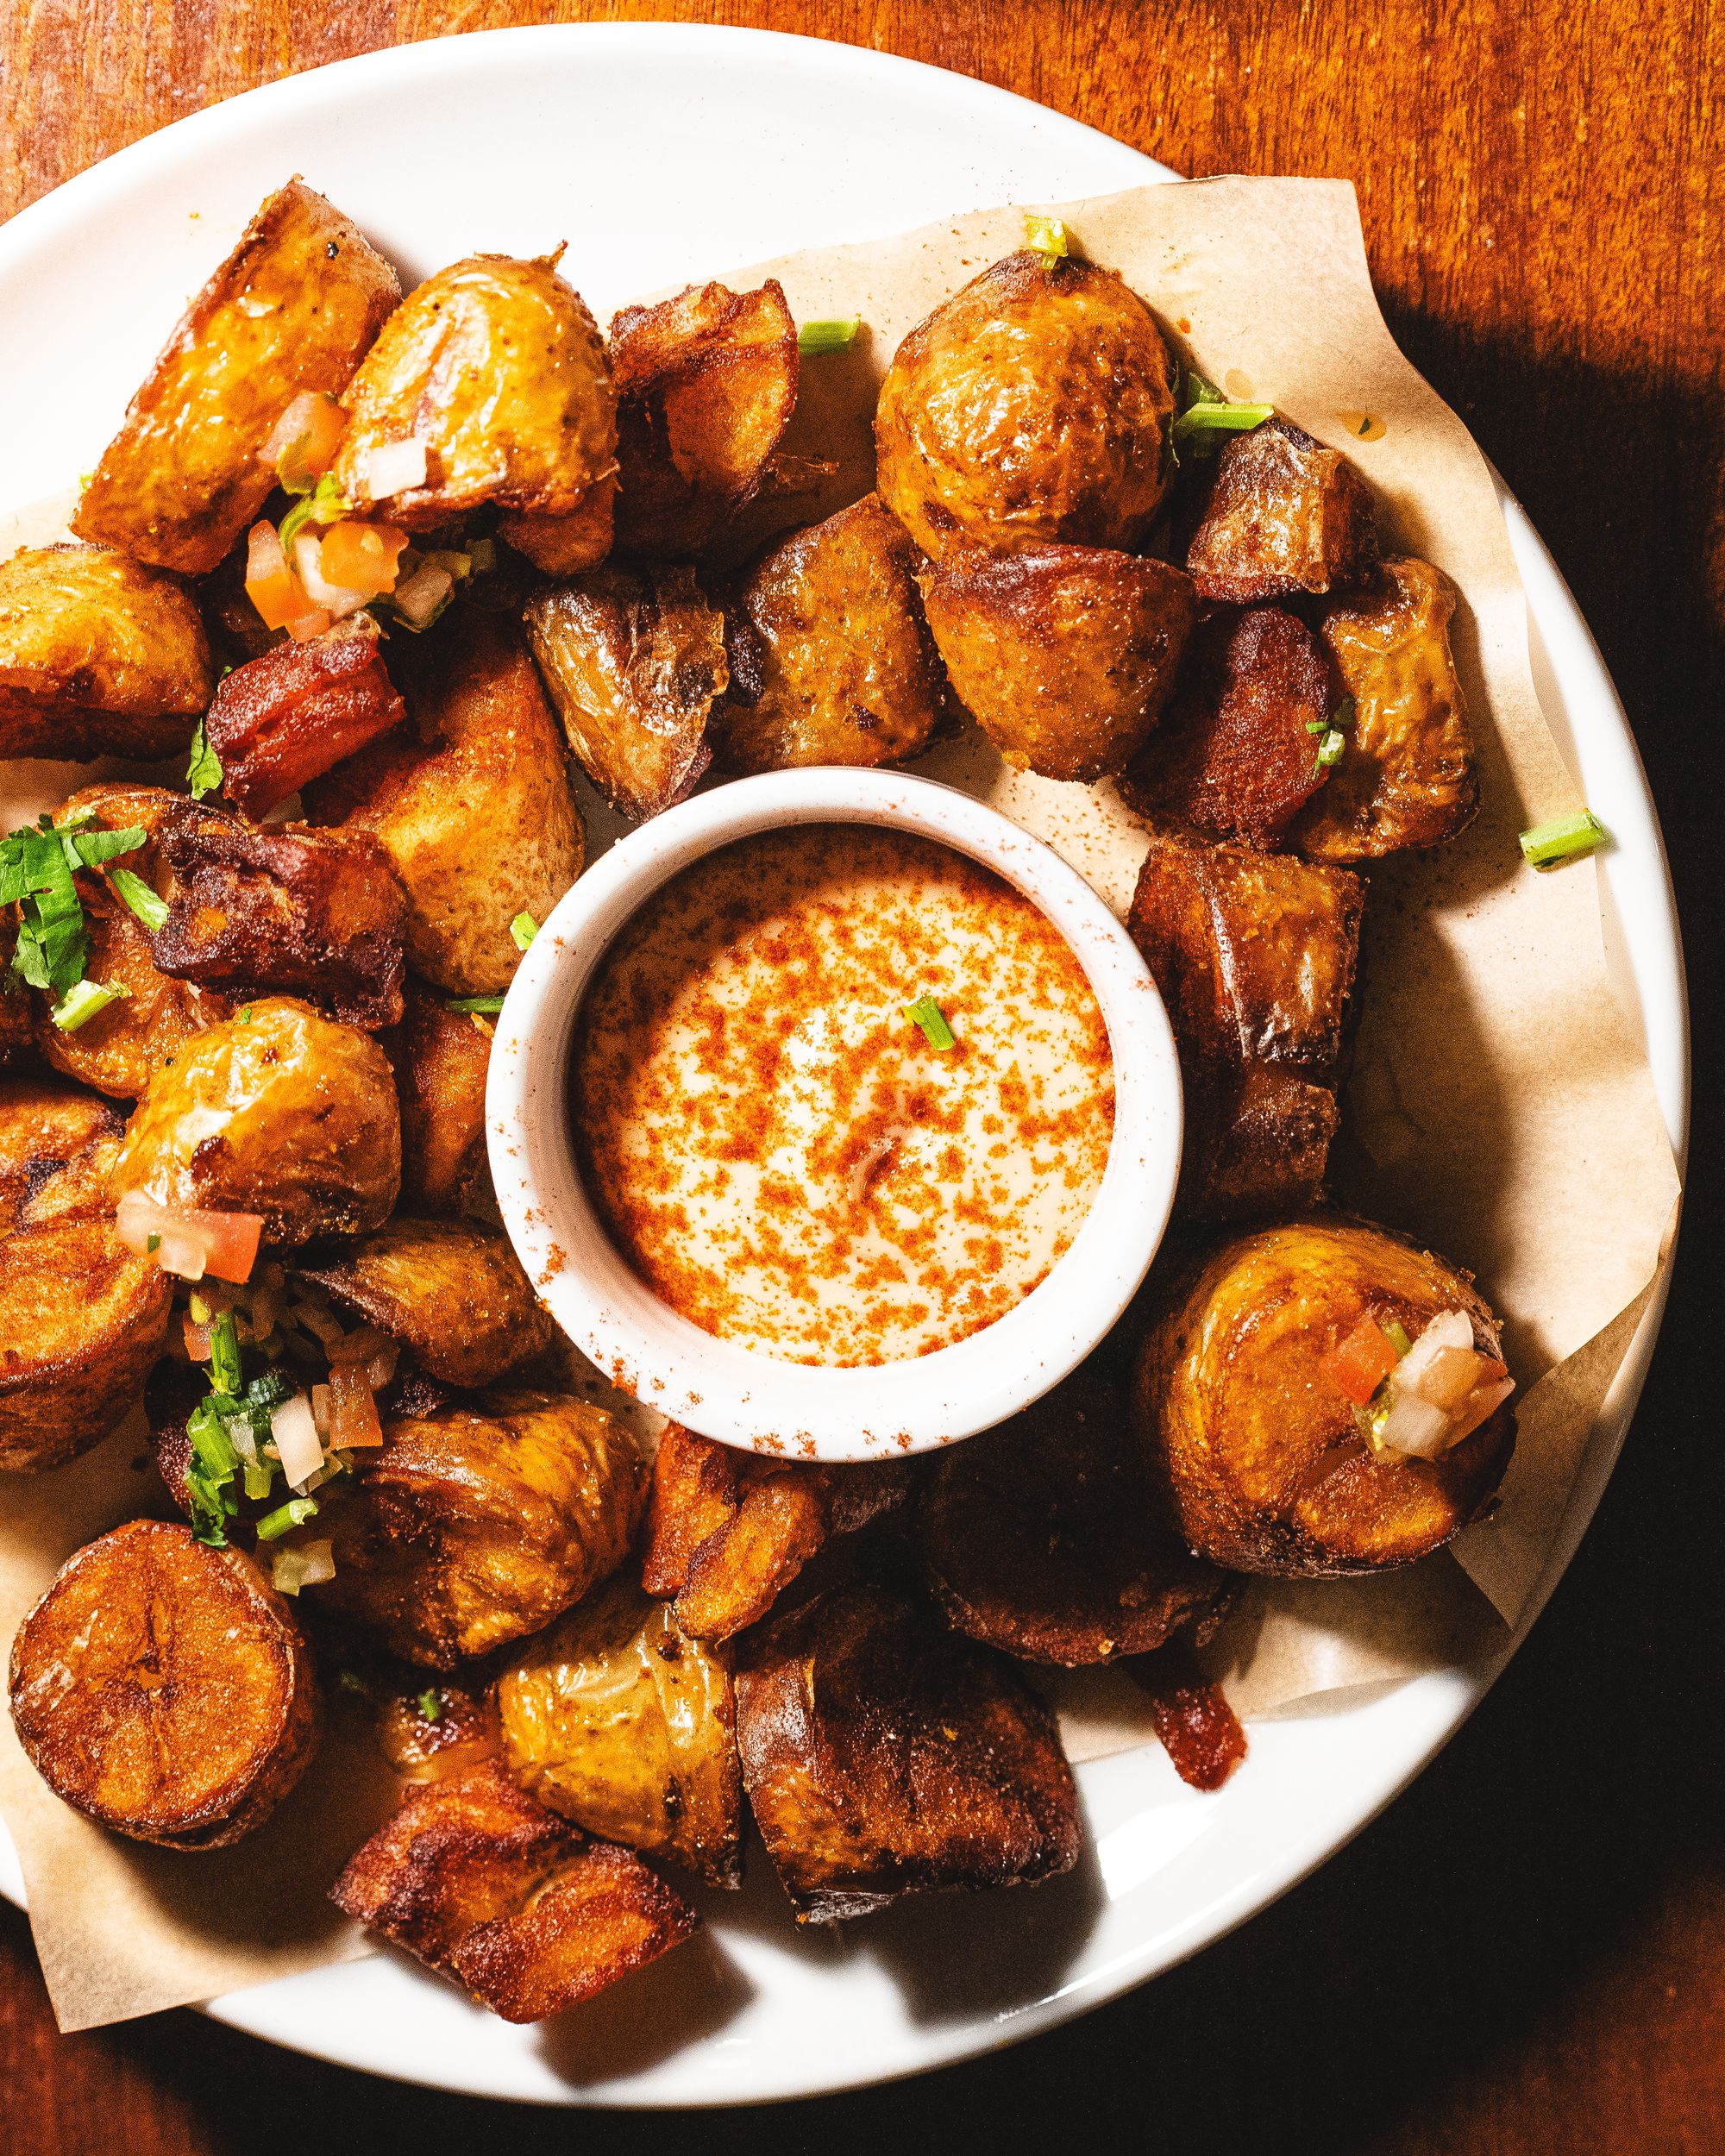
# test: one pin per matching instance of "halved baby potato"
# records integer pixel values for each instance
(440, 1073)
(1284, 515)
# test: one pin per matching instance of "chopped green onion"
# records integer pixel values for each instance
(245, 1014)
(1198, 389)
(430, 1704)
(209, 1472)
(324, 504)
(928, 1014)
(294, 1514)
(225, 1373)
(1562, 838)
(149, 906)
(257, 1475)
(84, 1000)
(1046, 237)
(351, 1680)
(490, 1005)
(1330, 749)
(524, 928)
(203, 773)
(1208, 417)
(153, 1243)
(1396, 1333)
(829, 336)
(84, 479)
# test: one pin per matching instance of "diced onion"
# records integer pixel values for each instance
(188, 1243)
(1411, 1424)
(297, 1443)
(337, 600)
(423, 596)
(307, 1564)
(393, 467)
(1441, 1390)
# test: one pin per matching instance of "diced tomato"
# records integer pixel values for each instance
(361, 556)
(271, 585)
(189, 1242)
(354, 1417)
(313, 623)
(1360, 1361)
(303, 443)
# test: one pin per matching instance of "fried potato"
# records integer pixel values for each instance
(284, 1114)
(1064, 655)
(44, 1126)
(294, 307)
(830, 660)
(883, 1756)
(480, 827)
(1043, 1538)
(633, 664)
(525, 1913)
(99, 656)
(440, 1074)
(566, 546)
(17, 1012)
(618, 1720)
(477, 1524)
(496, 366)
(452, 1290)
(708, 383)
(1285, 515)
(161, 1688)
(1260, 1452)
(1236, 755)
(1031, 407)
(1407, 777)
(286, 717)
(459, 1731)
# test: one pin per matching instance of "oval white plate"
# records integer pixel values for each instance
(665, 152)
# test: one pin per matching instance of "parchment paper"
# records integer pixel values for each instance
(1500, 1108)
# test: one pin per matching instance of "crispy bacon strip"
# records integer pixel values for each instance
(286, 718)
(1198, 1728)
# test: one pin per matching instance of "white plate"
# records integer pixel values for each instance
(663, 152)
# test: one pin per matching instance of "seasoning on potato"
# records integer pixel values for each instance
(441, 1062)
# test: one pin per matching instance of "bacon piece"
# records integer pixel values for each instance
(286, 718)
(1198, 1730)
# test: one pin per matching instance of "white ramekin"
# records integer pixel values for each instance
(727, 1391)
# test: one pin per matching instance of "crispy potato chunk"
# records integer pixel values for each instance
(1236, 755)
(884, 1756)
(830, 660)
(1285, 515)
(99, 656)
(440, 1074)
(566, 546)
(288, 717)
(1408, 776)
(1031, 407)
(1043, 1537)
(284, 1114)
(527, 1914)
(1255, 957)
(633, 664)
(476, 1526)
(294, 307)
(1255, 1444)
(161, 1689)
(618, 1720)
(432, 1732)
(452, 1290)
(1064, 655)
(708, 383)
(497, 366)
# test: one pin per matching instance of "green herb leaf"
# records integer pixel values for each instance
(524, 928)
(430, 1704)
(130, 888)
(1562, 839)
(84, 1000)
(1046, 237)
(203, 773)
(928, 1014)
(1209, 417)
(325, 504)
(153, 1243)
(490, 1005)
(829, 336)
(294, 1514)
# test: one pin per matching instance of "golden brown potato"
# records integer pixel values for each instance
(294, 307)
(288, 715)
(161, 1689)
(440, 1074)
(432, 1732)
(708, 383)
(43, 1127)
(566, 546)
(1285, 515)
(525, 1913)
(1407, 777)
(1043, 1537)
(1063, 655)
(618, 1720)
(450, 1290)
(830, 660)
(497, 367)
(476, 1526)
(279, 1111)
(478, 827)
(1264, 1458)
(99, 656)
(1031, 407)
(1255, 957)
(633, 664)
(883, 1756)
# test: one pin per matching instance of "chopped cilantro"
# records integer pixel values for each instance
(430, 1704)
(324, 504)
(203, 773)
(148, 905)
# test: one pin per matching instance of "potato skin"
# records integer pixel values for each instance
(163, 1690)
(99, 656)
(1031, 407)
(440, 1074)
(287, 1114)
(496, 364)
(294, 307)
(831, 661)
(1284, 515)
(1256, 1450)
(1063, 655)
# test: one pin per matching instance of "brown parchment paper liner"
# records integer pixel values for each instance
(1502, 1106)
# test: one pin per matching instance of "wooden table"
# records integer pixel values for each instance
(1528, 1954)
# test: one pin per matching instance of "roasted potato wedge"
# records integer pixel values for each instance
(831, 661)
(1043, 1538)
(618, 1720)
(99, 656)
(294, 307)
(161, 1689)
(286, 717)
(1236, 755)
(44, 1126)
(707, 384)
(883, 1756)
(1408, 776)
(451, 1290)
(281, 1113)
(527, 1914)
(633, 664)
(477, 1524)
(440, 1074)
(1285, 515)
(1063, 655)
(1261, 1455)
(497, 367)
(1031, 407)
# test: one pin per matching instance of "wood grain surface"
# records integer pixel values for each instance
(1528, 1953)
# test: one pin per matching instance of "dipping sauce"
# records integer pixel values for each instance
(787, 1159)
